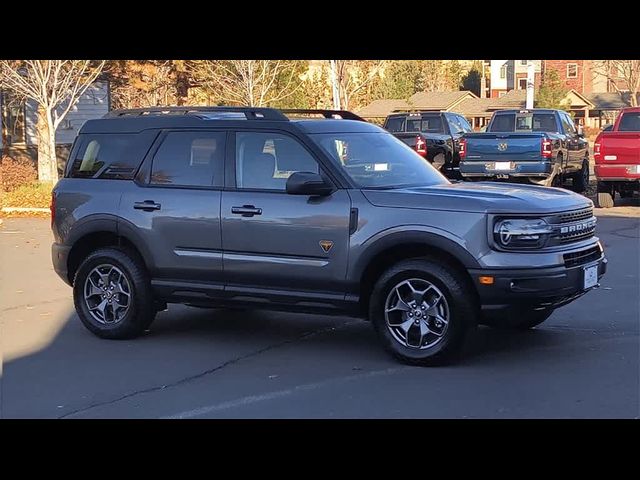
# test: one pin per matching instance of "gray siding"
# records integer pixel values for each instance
(94, 103)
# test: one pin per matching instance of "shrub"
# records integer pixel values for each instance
(15, 173)
(33, 195)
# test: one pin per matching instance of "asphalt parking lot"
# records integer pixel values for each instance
(584, 362)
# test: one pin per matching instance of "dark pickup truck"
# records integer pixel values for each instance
(539, 145)
(617, 156)
(433, 135)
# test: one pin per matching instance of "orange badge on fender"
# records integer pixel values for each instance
(326, 245)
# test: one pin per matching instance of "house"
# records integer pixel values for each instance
(507, 75)
(577, 75)
(378, 110)
(19, 120)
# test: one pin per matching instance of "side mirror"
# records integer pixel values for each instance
(307, 183)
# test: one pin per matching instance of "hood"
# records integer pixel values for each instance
(484, 197)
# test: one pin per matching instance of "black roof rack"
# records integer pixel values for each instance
(250, 113)
(344, 114)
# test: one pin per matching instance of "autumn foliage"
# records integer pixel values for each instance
(15, 173)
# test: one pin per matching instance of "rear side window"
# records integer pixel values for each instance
(189, 159)
(503, 123)
(110, 156)
(630, 122)
(395, 124)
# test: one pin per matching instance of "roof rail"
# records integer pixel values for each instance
(250, 113)
(343, 114)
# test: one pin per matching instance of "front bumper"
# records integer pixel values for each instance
(536, 288)
(486, 169)
(59, 257)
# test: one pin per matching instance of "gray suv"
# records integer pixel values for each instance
(248, 207)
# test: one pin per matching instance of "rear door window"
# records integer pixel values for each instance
(395, 124)
(630, 122)
(503, 123)
(190, 159)
(109, 156)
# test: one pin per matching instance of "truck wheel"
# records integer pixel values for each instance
(439, 161)
(112, 294)
(517, 320)
(605, 196)
(422, 311)
(581, 179)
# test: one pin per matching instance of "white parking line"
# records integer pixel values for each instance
(241, 402)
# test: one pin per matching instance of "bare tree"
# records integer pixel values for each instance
(56, 86)
(622, 75)
(354, 79)
(255, 83)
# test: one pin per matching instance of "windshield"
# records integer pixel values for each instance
(378, 160)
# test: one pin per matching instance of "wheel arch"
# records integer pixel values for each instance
(99, 233)
(402, 245)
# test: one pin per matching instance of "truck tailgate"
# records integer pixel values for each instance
(408, 138)
(621, 148)
(515, 147)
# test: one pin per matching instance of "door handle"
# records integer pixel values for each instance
(246, 211)
(147, 205)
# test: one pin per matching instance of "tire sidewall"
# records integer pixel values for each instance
(459, 318)
(131, 323)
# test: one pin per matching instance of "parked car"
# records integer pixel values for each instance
(542, 146)
(617, 156)
(434, 135)
(245, 207)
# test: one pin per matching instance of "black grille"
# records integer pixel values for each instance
(576, 236)
(575, 259)
(574, 216)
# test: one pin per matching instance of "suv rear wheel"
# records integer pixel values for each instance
(112, 294)
(422, 311)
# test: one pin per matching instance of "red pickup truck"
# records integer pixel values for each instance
(617, 156)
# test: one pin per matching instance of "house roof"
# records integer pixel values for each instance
(609, 100)
(382, 108)
(477, 107)
(439, 100)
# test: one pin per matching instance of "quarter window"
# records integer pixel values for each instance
(264, 161)
(189, 159)
(109, 156)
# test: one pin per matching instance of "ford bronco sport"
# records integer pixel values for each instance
(216, 207)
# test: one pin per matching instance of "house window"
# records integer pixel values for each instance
(572, 70)
(522, 84)
(13, 120)
(523, 62)
(503, 71)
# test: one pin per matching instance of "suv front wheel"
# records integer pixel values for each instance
(112, 294)
(422, 311)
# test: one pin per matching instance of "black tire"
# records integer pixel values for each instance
(605, 195)
(517, 320)
(142, 308)
(462, 306)
(581, 179)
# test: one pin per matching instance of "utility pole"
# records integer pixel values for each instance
(334, 86)
(531, 76)
(483, 82)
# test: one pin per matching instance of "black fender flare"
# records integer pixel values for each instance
(409, 235)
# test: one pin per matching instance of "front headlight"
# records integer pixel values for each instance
(519, 233)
